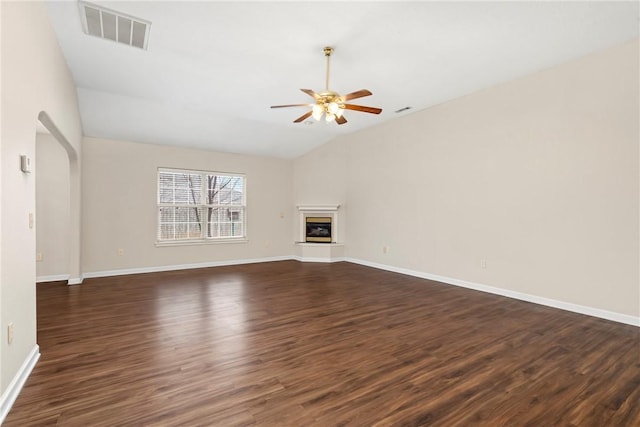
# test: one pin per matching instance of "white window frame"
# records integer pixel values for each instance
(203, 207)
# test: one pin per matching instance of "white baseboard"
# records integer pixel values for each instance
(59, 278)
(75, 280)
(576, 308)
(15, 386)
(140, 270)
(316, 259)
(52, 278)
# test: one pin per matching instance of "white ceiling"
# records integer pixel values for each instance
(212, 69)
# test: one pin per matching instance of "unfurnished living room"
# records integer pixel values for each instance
(305, 213)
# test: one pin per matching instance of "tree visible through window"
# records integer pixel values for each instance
(195, 205)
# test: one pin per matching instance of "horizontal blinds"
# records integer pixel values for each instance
(179, 188)
(200, 205)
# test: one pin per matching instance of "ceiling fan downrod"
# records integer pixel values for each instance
(327, 53)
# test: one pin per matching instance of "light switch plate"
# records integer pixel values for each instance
(25, 163)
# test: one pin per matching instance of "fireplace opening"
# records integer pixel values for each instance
(318, 229)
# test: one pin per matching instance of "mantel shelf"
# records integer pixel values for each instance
(318, 208)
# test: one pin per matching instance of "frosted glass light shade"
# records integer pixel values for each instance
(317, 111)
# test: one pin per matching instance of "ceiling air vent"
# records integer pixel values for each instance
(119, 27)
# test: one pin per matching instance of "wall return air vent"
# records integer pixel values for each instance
(119, 27)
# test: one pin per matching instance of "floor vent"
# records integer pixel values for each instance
(119, 27)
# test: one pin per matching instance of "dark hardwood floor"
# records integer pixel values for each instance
(299, 344)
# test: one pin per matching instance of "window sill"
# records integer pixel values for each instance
(200, 242)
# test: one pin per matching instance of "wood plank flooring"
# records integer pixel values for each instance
(299, 344)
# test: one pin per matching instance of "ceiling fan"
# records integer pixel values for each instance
(331, 104)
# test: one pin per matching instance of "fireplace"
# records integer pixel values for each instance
(318, 226)
(318, 229)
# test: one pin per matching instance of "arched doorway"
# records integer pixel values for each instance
(67, 218)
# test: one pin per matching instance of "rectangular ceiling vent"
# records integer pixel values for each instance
(119, 27)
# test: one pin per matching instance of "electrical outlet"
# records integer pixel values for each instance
(39, 256)
(10, 333)
(385, 249)
(483, 263)
(30, 219)
(120, 252)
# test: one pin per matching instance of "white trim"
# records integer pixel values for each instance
(59, 278)
(216, 241)
(199, 171)
(318, 208)
(107, 273)
(322, 252)
(319, 245)
(15, 386)
(316, 259)
(75, 280)
(576, 308)
(52, 278)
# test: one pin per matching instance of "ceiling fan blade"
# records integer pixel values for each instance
(357, 94)
(311, 93)
(341, 120)
(291, 105)
(372, 110)
(303, 117)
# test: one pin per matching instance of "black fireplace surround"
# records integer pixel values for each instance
(318, 229)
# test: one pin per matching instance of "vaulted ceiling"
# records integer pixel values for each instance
(212, 69)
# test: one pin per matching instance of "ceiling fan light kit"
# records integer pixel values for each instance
(331, 104)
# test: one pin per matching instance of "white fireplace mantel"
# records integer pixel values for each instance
(312, 210)
(318, 208)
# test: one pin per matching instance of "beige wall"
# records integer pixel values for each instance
(326, 174)
(35, 79)
(53, 208)
(120, 197)
(2, 324)
(538, 177)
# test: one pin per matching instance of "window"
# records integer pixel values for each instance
(200, 206)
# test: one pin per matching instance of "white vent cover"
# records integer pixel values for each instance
(108, 24)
